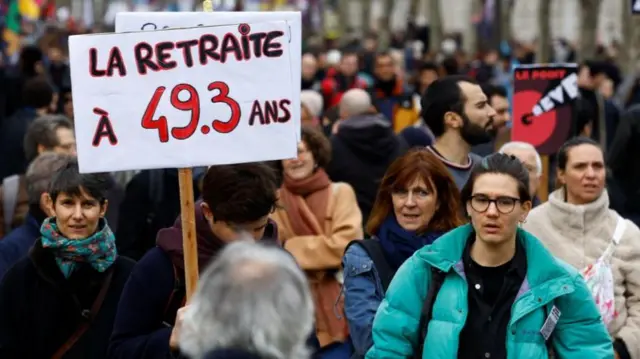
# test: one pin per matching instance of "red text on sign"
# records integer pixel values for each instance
(192, 104)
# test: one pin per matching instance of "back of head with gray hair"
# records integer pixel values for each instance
(43, 131)
(523, 146)
(41, 171)
(252, 297)
(355, 102)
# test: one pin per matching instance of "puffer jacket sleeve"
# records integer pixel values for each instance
(630, 268)
(325, 251)
(580, 332)
(395, 328)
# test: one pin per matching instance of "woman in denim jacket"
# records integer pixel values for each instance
(417, 201)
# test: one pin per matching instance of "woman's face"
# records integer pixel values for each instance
(584, 176)
(302, 166)
(77, 217)
(414, 205)
(495, 208)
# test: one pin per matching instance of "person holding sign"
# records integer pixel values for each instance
(489, 289)
(236, 198)
(60, 300)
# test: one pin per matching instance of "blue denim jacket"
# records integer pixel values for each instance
(363, 294)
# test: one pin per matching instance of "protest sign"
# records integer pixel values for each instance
(543, 103)
(183, 97)
(149, 21)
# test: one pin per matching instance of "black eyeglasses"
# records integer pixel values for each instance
(504, 204)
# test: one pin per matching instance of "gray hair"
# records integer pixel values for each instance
(518, 145)
(41, 171)
(355, 102)
(42, 131)
(253, 297)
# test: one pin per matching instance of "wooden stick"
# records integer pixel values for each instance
(543, 188)
(189, 240)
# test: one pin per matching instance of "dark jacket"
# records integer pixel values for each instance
(141, 330)
(362, 150)
(151, 202)
(40, 309)
(15, 246)
(12, 132)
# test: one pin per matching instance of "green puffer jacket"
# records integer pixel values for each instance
(579, 334)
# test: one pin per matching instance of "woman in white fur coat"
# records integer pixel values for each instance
(577, 225)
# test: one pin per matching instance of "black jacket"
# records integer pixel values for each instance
(362, 150)
(40, 309)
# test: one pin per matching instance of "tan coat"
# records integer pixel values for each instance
(320, 257)
(579, 235)
(342, 225)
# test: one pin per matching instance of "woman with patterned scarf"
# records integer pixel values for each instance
(316, 220)
(60, 300)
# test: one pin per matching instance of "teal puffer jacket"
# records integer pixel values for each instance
(579, 334)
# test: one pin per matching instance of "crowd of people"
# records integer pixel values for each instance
(408, 225)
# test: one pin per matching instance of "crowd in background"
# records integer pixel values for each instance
(407, 146)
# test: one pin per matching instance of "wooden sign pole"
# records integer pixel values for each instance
(189, 241)
(543, 187)
(188, 217)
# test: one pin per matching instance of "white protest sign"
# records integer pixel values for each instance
(183, 98)
(149, 21)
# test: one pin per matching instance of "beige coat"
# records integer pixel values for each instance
(579, 235)
(321, 258)
(342, 225)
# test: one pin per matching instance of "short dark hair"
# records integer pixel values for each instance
(70, 181)
(563, 152)
(240, 193)
(442, 96)
(502, 164)
(494, 90)
(30, 55)
(450, 66)
(42, 131)
(428, 66)
(318, 144)
(37, 92)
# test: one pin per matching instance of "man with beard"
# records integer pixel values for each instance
(499, 101)
(390, 95)
(459, 114)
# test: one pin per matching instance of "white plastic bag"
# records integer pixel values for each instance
(599, 277)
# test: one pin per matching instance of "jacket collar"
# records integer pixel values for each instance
(446, 254)
(47, 269)
(581, 217)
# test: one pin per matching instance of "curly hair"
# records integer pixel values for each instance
(318, 144)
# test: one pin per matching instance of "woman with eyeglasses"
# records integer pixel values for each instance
(578, 226)
(489, 289)
(417, 202)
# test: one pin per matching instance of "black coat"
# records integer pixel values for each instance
(40, 309)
